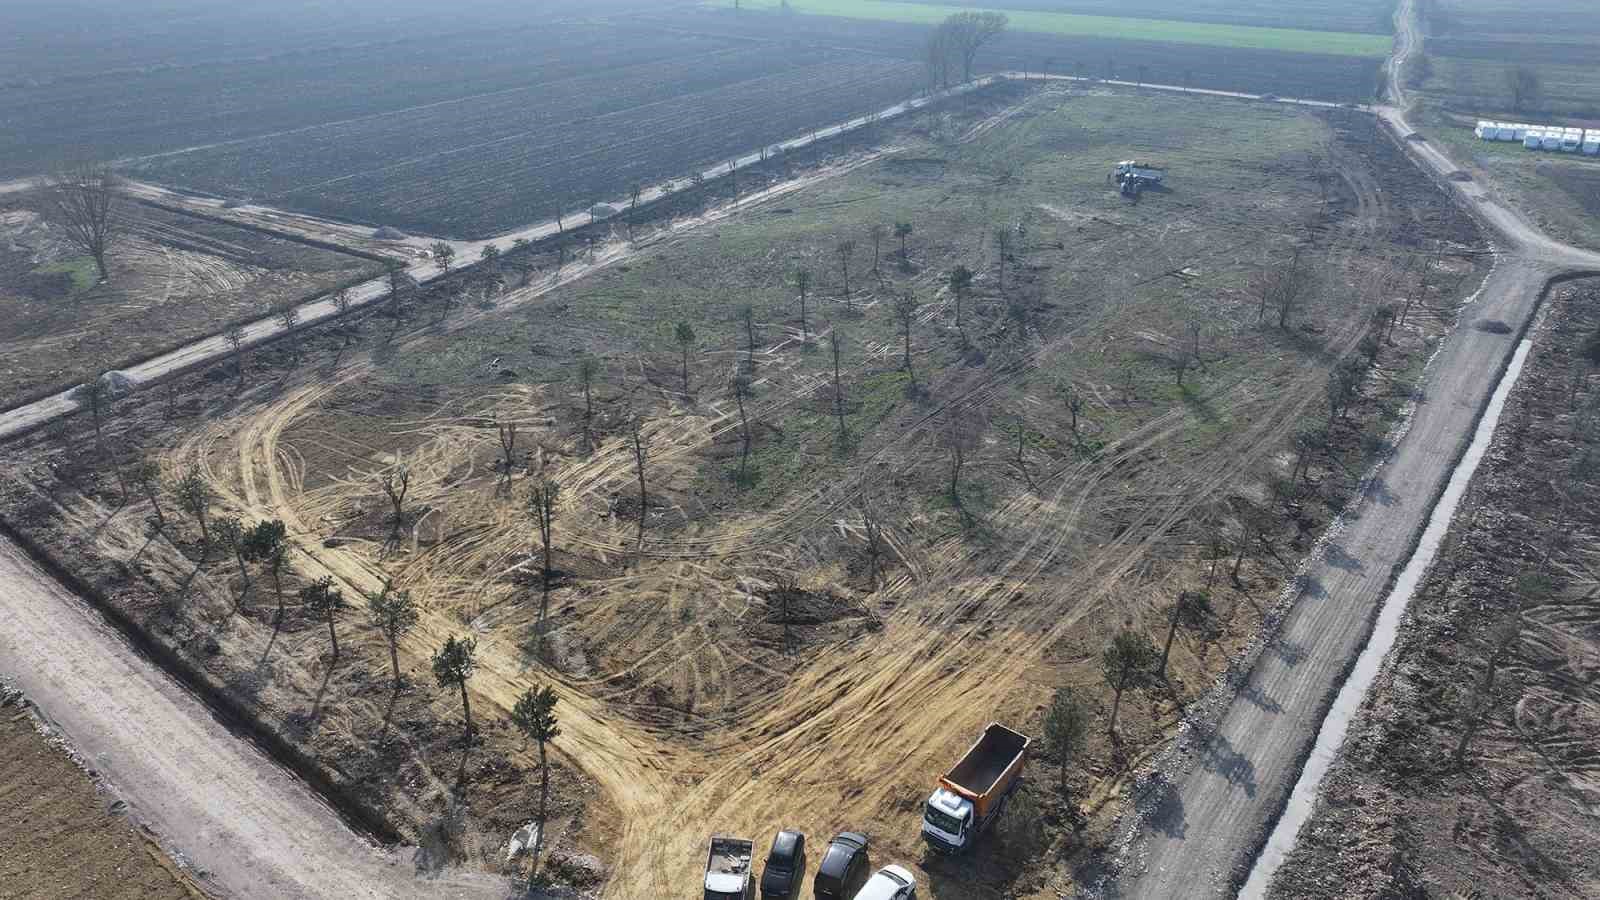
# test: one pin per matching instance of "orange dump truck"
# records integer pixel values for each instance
(971, 796)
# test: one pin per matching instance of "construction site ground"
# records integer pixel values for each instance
(725, 659)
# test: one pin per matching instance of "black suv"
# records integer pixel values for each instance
(786, 866)
(843, 869)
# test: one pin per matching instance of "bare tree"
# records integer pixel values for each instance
(341, 301)
(1002, 247)
(288, 317)
(905, 312)
(960, 283)
(400, 285)
(968, 32)
(937, 57)
(835, 341)
(1524, 87)
(634, 193)
(641, 457)
(802, 282)
(1066, 726)
(443, 255)
(872, 530)
(85, 200)
(235, 338)
(542, 509)
(453, 666)
(877, 232)
(587, 369)
(396, 481)
(95, 396)
(684, 335)
(507, 433)
(845, 249)
(1281, 287)
(394, 614)
(960, 436)
(747, 313)
(741, 391)
(902, 230)
(1196, 327)
(1129, 661)
(324, 601)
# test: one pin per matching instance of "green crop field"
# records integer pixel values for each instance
(1243, 36)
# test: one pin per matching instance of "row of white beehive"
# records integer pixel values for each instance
(1542, 137)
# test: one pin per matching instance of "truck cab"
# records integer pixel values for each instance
(947, 820)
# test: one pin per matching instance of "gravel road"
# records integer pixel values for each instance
(248, 827)
(1230, 777)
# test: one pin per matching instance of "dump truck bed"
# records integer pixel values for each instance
(981, 768)
(728, 866)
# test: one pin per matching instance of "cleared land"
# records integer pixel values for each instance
(699, 690)
(1116, 27)
(174, 278)
(60, 835)
(1518, 817)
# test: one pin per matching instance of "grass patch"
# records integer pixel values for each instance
(81, 269)
(1338, 43)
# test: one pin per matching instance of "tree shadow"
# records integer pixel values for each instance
(1336, 556)
(1219, 756)
(1161, 806)
(1510, 828)
(1291, 653)
(1378, 492)
(1259, 698)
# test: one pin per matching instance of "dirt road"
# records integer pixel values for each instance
(1238, 765)
(246, 826)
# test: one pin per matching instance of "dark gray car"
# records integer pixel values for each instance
(786, 866)
(843, 869)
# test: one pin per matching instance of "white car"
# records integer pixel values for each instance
(889, 883)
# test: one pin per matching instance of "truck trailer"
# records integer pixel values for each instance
(971, 796)
(728, 869)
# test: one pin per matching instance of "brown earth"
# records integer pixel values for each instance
(61, 834)
(1519, 817)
